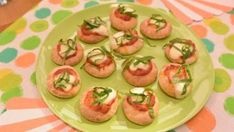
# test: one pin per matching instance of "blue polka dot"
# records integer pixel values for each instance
(90, 4)
(7, 55)
(42, 13)
(209, 44)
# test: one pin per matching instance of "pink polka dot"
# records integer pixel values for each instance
(232, 19)
(25, 60)
(145, 2)
(55, 1)
(200, 30)
(204, 121)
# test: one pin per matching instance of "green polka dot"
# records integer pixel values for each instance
(33, 78)
(91, 4)
(30, 43)
(229, 105)
(60, 15)
(229, 42)
(222, 80)
(18, 26)
(9, 80)
(39, 26)
(14, 92)
(231, 12)
(69, 3)
(209, 44)
(6, 37)
(227, 60)
(125, 0)
(42, 13)
(7, 55)
(217, 26)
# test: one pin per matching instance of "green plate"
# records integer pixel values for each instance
(172, 112)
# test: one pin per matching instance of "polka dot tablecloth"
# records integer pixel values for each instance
(21, 107)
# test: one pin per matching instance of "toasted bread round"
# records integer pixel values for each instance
(150, 31)
(60, 93)
(136, 116)
(120, 24)
(166, 85)
(140, 81)
(191, 59)
(96, 116)
(70, 61)
(100, 72)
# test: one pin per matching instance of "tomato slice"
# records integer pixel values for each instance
(103, 108)
(70, 56)
(171, 70)
(122, 16)
(141, 72)
(87, 32)
(107, 62)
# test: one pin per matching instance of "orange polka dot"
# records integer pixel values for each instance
(55, 1)
(204, 121)
(200, 30)
(25, 60)
(232, 19)
(145, 2)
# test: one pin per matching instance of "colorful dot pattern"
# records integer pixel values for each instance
(20, 44)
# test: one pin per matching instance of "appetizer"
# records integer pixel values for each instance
(156, 27)
(126, 42)
(99, 104)
(181, 51)
(141, 106)
(67, 52)
(63, 82)
(99, 63)
(123, 18)
(93, 30)
(140, 71)
(175, 80)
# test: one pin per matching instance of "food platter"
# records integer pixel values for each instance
(172, 112)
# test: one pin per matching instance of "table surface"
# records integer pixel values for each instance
(13, 10)
(21, 107)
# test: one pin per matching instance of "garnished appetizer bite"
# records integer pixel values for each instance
(99, 104)
(175, 80)
(141, 106)
(181, 51)
(156, 27)
(99, 63)
(126, 42)
(123, 18)
(63, 82)
(140, 71)
(67, 52)
(93, 30)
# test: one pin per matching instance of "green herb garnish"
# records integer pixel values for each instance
(187, 81)
(102, 51)
(71, 47)
(187, 50)
(62, 80)
(100, 94)
(94, 22)
(158, 21)
(123, 10)
(136, 60)
(145, 97)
